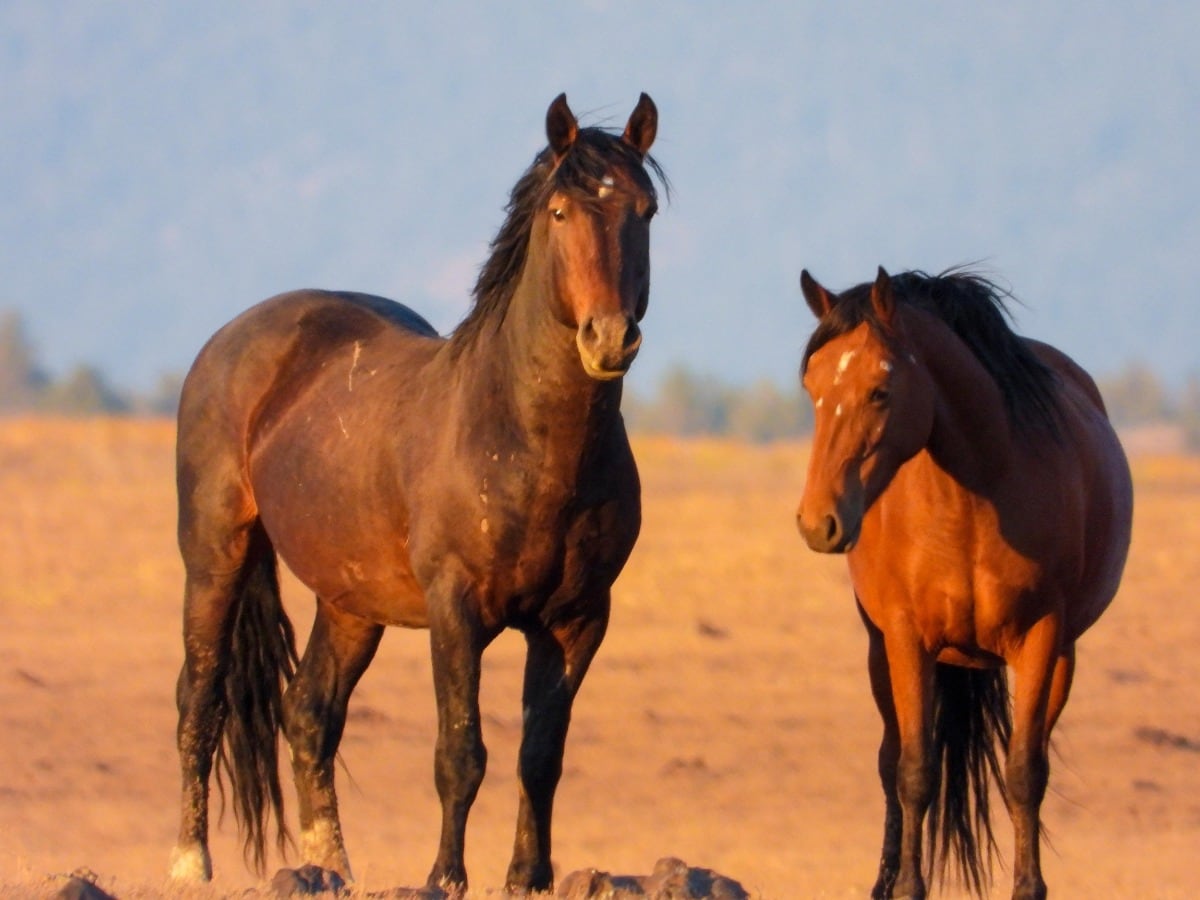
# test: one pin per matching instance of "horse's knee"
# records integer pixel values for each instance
(461, 760)
(540, 766)
(1026, 775)
(915, 779)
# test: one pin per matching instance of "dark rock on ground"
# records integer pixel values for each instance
(672, 879)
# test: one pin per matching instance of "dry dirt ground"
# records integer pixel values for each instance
(726, 721)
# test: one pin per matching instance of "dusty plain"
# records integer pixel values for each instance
(727, 719)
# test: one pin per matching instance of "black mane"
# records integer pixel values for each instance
(579, 174)
(975, 309)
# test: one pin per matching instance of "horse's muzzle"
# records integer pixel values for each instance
(607, 345)
(827, 533)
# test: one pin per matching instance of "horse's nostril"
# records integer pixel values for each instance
(831, 529)
(588, 330)
(824, 534)
(633, 334)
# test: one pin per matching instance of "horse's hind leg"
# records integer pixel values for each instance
(339, 650)
(556, 661)
(214, 558)
(1043, 680)
(202, 713)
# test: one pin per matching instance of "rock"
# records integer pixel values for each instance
(404, 893)
(592, 884)
(672, 879)
(81, 885)
(307, 881)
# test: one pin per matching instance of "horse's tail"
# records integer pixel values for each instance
(262, 660)
(972, 722)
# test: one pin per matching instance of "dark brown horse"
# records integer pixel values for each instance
(465, 485)
(984, 503)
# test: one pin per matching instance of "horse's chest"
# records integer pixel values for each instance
(952, 578)
(551, 548)
(543, 544)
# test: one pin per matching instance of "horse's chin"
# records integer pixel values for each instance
(604, 374)
(600, 372)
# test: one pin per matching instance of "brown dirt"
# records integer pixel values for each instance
(726, 721)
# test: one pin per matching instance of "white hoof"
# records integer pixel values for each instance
(322, 845)
(191, 864)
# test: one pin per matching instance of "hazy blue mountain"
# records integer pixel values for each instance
(165, 165)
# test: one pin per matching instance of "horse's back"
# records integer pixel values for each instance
(319, 319)
(273, 349)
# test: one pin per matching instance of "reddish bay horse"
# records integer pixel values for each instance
(984, 503)
(464, 485)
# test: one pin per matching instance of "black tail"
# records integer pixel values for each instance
(262, 660)
(972, 722)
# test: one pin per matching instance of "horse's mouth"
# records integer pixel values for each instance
(603, 370)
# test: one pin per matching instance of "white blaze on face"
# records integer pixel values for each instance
(606, 186)
(843, 363)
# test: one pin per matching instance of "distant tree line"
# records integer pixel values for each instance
(688, 403)
(685, 403)
(26, 387)
(692, 404)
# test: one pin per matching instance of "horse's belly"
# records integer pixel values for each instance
(381, 590)
(343, 544)
(400, 603)
(970, 657)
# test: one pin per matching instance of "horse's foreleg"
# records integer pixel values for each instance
(555, 664)
(1043, 679)
(910, 671)
(339, 650)
(457, 641)
(889, 762)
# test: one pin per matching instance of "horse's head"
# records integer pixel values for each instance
(596, 226)
(873, 407)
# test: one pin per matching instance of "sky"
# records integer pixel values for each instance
(163, 166)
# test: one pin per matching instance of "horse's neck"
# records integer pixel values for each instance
(529, 369)
(971, 437)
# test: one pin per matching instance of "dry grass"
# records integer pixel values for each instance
(726, 721)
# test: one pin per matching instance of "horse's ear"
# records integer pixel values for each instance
(819, 300)
(561, 126)
(883, 301)
(642, 125)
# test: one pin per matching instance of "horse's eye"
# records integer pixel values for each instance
(879, 396)
(560, 214)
